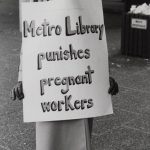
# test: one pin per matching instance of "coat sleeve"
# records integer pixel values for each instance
(20, 68)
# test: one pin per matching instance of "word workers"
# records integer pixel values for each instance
(68, 104)
(67, 81)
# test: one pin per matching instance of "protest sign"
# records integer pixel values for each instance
(65, 60)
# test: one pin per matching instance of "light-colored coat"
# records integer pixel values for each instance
(60, 135)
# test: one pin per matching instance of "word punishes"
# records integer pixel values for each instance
(46, 29)
(60, 55)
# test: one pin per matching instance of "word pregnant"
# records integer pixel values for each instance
(67, 81)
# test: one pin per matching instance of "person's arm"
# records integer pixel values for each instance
(17, 91)
(20, 68)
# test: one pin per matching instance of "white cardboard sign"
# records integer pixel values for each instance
(65, 60)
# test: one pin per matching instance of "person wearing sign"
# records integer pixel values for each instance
(62, 135)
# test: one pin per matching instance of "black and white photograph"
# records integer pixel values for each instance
(75, 75)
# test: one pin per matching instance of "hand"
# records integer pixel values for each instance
(17, 91)
(114, 89)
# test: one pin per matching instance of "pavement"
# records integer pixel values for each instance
(127, 129)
